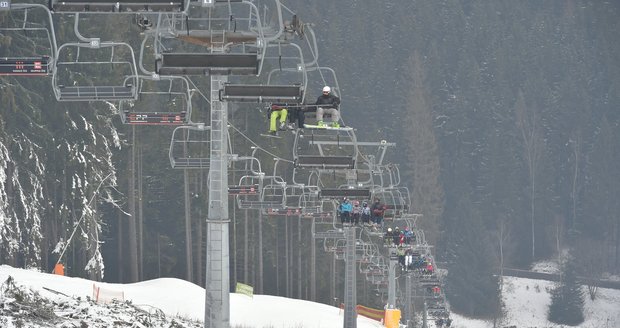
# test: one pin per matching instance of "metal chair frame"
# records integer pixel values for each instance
(190, 147)
(174, 110)
(39, 62)
(67, 89)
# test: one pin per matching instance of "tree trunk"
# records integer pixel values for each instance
(313, 263)
(527, 121)
(140, 218)
(132, 231)
(188, 227)
(299, 247)
(120, 254)
(200, 267)
(277, 259)
(245, 246)
(233, 251)
(259, 283)
(287, 262)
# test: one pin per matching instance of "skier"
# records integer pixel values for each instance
(345, 209)
(377, 210)
(327, 104)
(365, 214)
(357, 212)
(277, 111)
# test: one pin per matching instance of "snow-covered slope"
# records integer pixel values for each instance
(176, 303)
(179, 300)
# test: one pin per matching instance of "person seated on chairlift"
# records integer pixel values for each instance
(327, 103)
(345, 209)
(277, 111)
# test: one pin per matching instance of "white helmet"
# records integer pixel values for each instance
(327, 89)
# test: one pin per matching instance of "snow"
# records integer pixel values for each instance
(179, 298)
(526, 303)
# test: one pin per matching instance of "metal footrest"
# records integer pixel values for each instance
(259, 205)
(154, 118)
(83, 93)
(190, 163)
(24, 66)
(329, 235)
(284, 211)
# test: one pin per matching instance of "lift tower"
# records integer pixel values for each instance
(217, 302)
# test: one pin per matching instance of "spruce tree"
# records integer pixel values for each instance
(567, 299)
(472, 286)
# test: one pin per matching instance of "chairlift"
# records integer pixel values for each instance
(395, 200)
(215, 42)
(77, 76)
(325, 149)
(29, 42)
(285, 82)
(161, 101)
(190, 147)
(271, 194)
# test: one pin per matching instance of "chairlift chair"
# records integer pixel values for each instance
(325, 149)
(396, 201)
(293, 204)
(190, 147)
(271, 193)
(29, 42)
(77, 75)
(161, 101)
(224, 41)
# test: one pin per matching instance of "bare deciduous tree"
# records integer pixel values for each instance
(527, 121)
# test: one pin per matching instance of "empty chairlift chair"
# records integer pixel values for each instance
(220, 41)
(285, 82)
(77, 76)
(325, 149)
(270, 195)
(190, 147)
(29, 43)
(161, 101)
